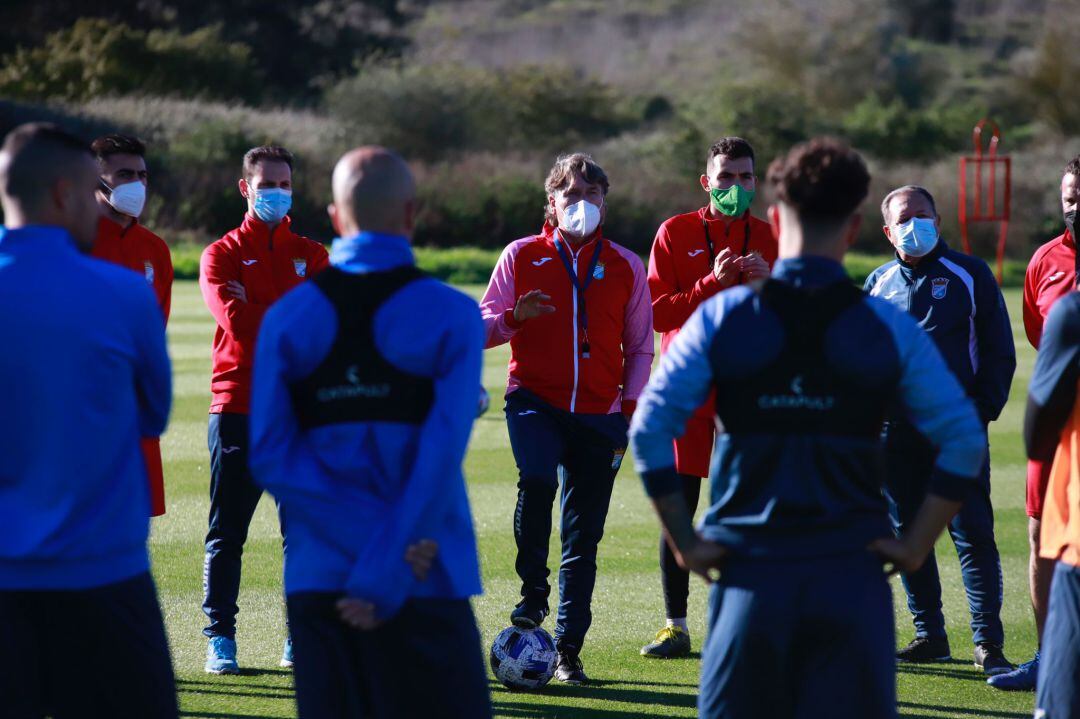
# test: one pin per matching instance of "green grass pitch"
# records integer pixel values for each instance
(627, 605)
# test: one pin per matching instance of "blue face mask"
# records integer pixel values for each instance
(271, 204)
(916, 237)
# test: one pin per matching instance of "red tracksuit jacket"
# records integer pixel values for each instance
(680, 279)
(546, 352)
(1050, 275)
(139, 249)
(267, 265)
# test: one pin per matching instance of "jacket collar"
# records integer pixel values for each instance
(40, 238)
(551, 233)
(109, 227)
(703, 213)
(371, 252)
(928, 259)
(255, 230)
(1067, 240)
(809, 271)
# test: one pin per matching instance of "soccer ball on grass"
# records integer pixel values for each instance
(523, 658)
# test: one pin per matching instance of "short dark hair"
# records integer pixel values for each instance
(1073, 168)
(823, 179)
(265, 153)
(906, 189)
(563, 171)
(730, 147)
(117, 144)
(34, 155)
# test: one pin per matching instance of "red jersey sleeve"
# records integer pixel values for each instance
(163, 280)
(1033, 319)
(671, 305)
(319, 258)
(239, 319)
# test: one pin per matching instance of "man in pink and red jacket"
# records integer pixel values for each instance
(576, 310)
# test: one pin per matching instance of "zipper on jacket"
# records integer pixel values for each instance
(273, 266)
(911, 292)
(573, 394)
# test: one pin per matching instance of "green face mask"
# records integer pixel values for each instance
(732, 201)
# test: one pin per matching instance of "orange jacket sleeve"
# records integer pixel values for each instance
(671, 305)
(240, 320)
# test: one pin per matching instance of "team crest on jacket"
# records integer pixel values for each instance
(598, 273)
(300, 266)
(148, 269)
(938, 285)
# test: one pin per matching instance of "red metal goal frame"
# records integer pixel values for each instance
(985, 207)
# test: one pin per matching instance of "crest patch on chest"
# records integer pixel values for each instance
(938, 286)
(300, 266)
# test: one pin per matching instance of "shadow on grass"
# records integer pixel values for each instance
(952, 669)
(266, 672)
(952, 711)
(219, 715)
(282, 693)
(561, 710)
(598, 689)
(678, 685)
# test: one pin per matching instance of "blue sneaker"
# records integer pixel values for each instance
(286, 654)
(1022, 679)
(221, 656)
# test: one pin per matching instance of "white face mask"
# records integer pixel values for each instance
(580, 219)
(271, 204)
(128, 199)
(916, 237)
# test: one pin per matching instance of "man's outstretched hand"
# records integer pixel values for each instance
(531, 304)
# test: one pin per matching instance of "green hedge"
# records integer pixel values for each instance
(473, 265)
(458, 265)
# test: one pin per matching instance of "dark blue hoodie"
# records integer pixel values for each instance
(798, 469)
(955, 298)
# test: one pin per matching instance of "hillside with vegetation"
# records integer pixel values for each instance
(480, 95)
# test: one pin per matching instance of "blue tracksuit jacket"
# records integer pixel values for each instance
(83, 375)
(803, 489)
(955, 298)
(356, 494)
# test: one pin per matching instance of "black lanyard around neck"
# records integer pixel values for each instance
(709, 242)
(580, 287)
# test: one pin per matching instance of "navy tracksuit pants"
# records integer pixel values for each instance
(233, 499)
(1058, 695)
(585, 451)
(910, 461)
(426, 661)
(800, 638)
(98, 653)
